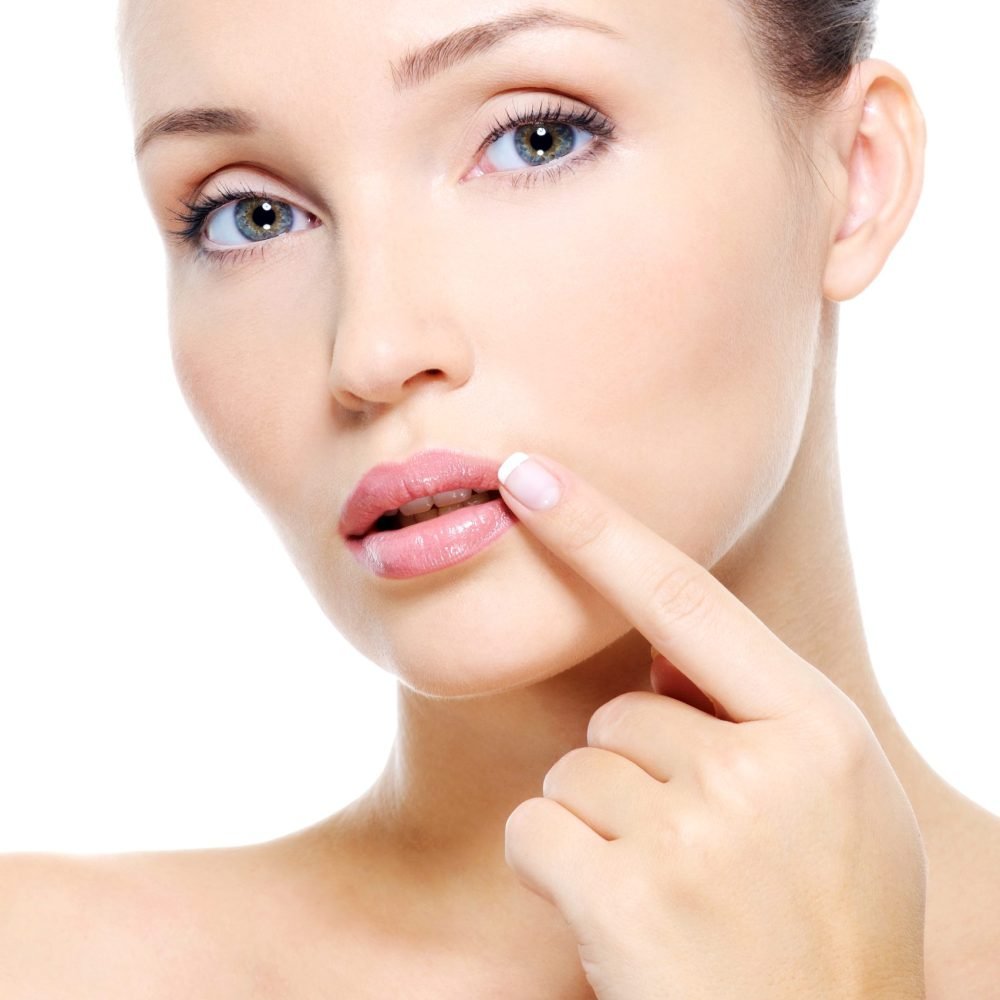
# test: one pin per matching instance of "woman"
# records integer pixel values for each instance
(614, 237)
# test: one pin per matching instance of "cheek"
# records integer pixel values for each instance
(250, 377)
(729, 341)
(674, 328)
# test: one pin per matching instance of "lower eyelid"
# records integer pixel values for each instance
(235, 256)
(224, 257)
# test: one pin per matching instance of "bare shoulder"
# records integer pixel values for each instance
(982, 925)
(963, 910)
(54, 912)
(153, 924)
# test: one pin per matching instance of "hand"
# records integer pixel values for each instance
(764, 851)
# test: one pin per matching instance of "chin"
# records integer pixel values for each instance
(490, 629)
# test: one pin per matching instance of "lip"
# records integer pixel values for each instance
(425, 546)
(392, 484)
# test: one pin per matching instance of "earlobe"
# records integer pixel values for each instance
(882, 175)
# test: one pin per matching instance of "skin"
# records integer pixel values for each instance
(680, 290)
(766, 826)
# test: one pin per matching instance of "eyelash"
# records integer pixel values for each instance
(602, 129)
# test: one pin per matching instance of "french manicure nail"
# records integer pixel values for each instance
(529, 481)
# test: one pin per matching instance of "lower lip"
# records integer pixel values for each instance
(426, 546)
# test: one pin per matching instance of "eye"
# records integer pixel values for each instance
(236, 219)
(536, 138)
(254, 219)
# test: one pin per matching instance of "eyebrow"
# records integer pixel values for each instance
(419, 66)
(203, 121)
(416, 67)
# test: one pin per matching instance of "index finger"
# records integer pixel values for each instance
(679, 606)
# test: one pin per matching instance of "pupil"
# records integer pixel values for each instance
(264, 215)
(541, 140)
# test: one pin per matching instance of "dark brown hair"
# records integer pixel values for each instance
(806, 48)
(804, 51)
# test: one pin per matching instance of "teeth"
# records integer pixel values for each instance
(423, 504)
(417, 506)
(450, 497)
(459, 498)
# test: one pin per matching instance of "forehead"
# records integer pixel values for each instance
(266, 53)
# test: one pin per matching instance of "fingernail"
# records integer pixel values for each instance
(529, 481)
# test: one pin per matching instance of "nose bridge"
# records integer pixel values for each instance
(379, 233)
(380, 202)
(391, 321)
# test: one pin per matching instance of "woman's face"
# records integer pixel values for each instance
(648, 315)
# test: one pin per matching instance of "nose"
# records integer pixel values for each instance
(396, 332)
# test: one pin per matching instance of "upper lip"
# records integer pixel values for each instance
(392, 484)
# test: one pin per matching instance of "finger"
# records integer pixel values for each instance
(666, 679)
(702, 628)
(555, 854)
(662, 736)
(610, 793)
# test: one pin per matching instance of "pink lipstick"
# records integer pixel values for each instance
(369, 518)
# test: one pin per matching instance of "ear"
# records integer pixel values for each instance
(878, 138)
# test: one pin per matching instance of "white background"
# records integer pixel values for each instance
(167, 680)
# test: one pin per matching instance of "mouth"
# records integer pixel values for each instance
(394, 495)
(381, 519)
(426, 509)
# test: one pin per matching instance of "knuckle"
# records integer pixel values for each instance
(678, 597)
(566, 766)
(853, 748)
(684, 834)
(843, 731)
(608, 717)
(584, 523)
(694, 848)
(842, 736)
(736, 773)
(525, 820)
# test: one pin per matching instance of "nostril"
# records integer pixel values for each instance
(427, 373)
